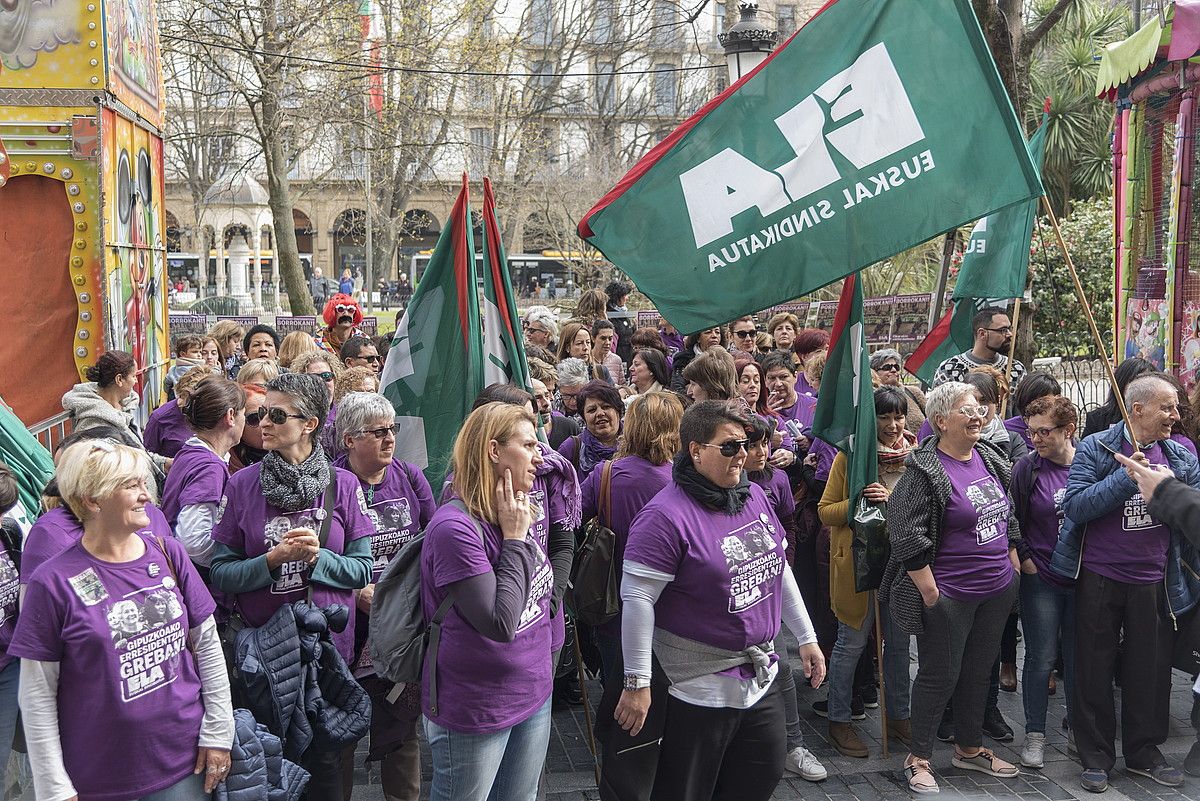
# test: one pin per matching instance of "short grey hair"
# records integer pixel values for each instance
(573, 373)
(358, 409)
(940, 400)
(884, 355)
(1143, 389)
(308, 392)
(542, 315)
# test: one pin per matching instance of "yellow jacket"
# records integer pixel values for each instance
(849, 606)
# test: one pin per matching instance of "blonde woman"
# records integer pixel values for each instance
(490, 695)
(94, 662)
(258, 371)
(293, 345)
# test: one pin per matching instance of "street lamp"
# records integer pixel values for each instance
(748, 43)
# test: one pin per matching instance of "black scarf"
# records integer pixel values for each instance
(294, 487)
(706, 493)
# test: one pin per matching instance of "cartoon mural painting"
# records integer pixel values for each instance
(1146, 331)
(29, 28)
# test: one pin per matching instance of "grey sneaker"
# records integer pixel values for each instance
(1164, 774)
(1034, 750)
(802, 762)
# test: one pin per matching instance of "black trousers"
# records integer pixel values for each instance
(1103, 608)
(722, 754)
(325, 768)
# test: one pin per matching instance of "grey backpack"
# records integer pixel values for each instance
(398, 634)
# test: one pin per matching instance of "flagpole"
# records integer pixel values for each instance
(1011, 358)
(1087, 313)
(883, 718)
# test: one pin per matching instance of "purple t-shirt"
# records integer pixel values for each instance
(57, 530)
(972, 561)
(1017, 425)
(400, 507)
(1128, 544)
(119, 633)
(1186, 442)
(728, 586)
(10, 585)
(166, 430)
(1045, 519)
(247, 523)
(197, 476)
(803, 387)
(825, 456)
(801, 411)
(493, 685)
(924, 431)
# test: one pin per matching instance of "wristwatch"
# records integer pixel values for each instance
(635, 682)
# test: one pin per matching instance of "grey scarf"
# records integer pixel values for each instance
(294, 487)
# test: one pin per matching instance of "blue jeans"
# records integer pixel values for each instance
(8, 714)
(897, 680)
(189, 788)
(1047, 617)
(503, 766)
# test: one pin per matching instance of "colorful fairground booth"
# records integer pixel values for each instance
(1153, 78)
(81, 197)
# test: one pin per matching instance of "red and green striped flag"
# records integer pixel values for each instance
(845, 418)
(503, 355)
(434, 368)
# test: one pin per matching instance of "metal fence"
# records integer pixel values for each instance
(1084, 381)
(52, 430)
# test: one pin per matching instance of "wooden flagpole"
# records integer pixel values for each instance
(1012, 357)
(883, 718)
(1087, 312)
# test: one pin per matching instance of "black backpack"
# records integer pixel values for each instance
(595, 587)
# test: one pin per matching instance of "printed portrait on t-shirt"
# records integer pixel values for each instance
(148, 635)
(393, 521)
(754, 558)
(987, 498)
(539, 588)
(10, 585)
(292, 575)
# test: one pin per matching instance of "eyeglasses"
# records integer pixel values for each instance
(744, 334)
(277, 415)
(973, 411)
(326, 376)
(731, 448)
(379, 433)
(1005, 330)
(533, 330)
(341, 307)
(888, 368)
(1042, 433)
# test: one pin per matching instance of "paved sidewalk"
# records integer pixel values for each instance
(570, 777)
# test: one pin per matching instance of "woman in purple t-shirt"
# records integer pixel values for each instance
(951, 578)
(267, 550)
(705, 588)
(117, 635)
(400, 504)
(1047, 599)
(487, 707)
(216, 411)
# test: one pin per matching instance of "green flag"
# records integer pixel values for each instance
(996, 262)
(30, 463)
(951, 336)
(845, 418)
(880, 124)
(504, 356)
(434, 368)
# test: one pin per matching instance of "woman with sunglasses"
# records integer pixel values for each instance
(400, 504)
(216, 413)
(268, 551)
(952, 578)
(1039, 483)
(705, 587)
(249, 450)
(888, 365)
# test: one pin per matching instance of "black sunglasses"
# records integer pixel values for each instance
(731, 448)
(371, 359)
(744, 334)
(379, 433)
(888, 368)
(277, 415)
(252, 419)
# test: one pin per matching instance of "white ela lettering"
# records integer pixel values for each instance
(863, 112)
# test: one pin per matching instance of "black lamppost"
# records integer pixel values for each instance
(748, 43)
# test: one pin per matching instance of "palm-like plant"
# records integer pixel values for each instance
(1078, 161)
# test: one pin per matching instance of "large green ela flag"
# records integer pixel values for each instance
(879, 125)
(434, 368)
(503, 354)
(994, 269)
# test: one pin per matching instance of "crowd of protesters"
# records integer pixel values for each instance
(243, 533)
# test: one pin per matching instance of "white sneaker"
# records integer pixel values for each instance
(802, 762)
(1033, 751)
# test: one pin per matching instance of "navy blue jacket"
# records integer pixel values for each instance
(1097, 485)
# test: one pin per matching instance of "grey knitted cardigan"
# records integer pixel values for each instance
(915, 512)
